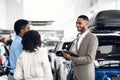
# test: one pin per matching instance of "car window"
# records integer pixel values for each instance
(109, 55)
(105, 49)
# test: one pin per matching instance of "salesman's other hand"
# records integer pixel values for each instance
(66, 55)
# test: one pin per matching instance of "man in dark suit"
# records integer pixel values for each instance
(86, 46)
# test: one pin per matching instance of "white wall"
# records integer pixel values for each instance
(107, 4)
(64, 12)
(56, 10)
(118, 4)
(2, 14)
(14, 11)
(81, 6)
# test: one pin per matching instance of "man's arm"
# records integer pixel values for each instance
(12, 60)
(90, 55)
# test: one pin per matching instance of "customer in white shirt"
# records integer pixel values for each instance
(33, 63)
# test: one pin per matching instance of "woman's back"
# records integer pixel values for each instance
(33, 65)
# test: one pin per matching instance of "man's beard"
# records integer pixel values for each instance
(79, 30)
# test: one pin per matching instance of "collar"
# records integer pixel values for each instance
(85, 33)
(19, 37)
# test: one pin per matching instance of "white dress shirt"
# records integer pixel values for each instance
(80, 38)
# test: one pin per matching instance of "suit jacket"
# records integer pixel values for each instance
(84, 64)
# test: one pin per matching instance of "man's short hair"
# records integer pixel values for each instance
(84, 17)
(19, 24)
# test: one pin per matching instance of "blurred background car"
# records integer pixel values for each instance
(4, 62)
(107, 30)
(60, 66)
(107, 21)
(108, 57)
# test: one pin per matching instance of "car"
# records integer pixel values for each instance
(60, 66)
(107, 21)
(108, 57)
(4, 63)
(107, 29)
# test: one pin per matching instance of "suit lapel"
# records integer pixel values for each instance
(84, 40)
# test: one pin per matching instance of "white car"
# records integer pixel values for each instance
(60, 66)
(4, 54)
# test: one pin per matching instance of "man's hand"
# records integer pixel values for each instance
(66, 55)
